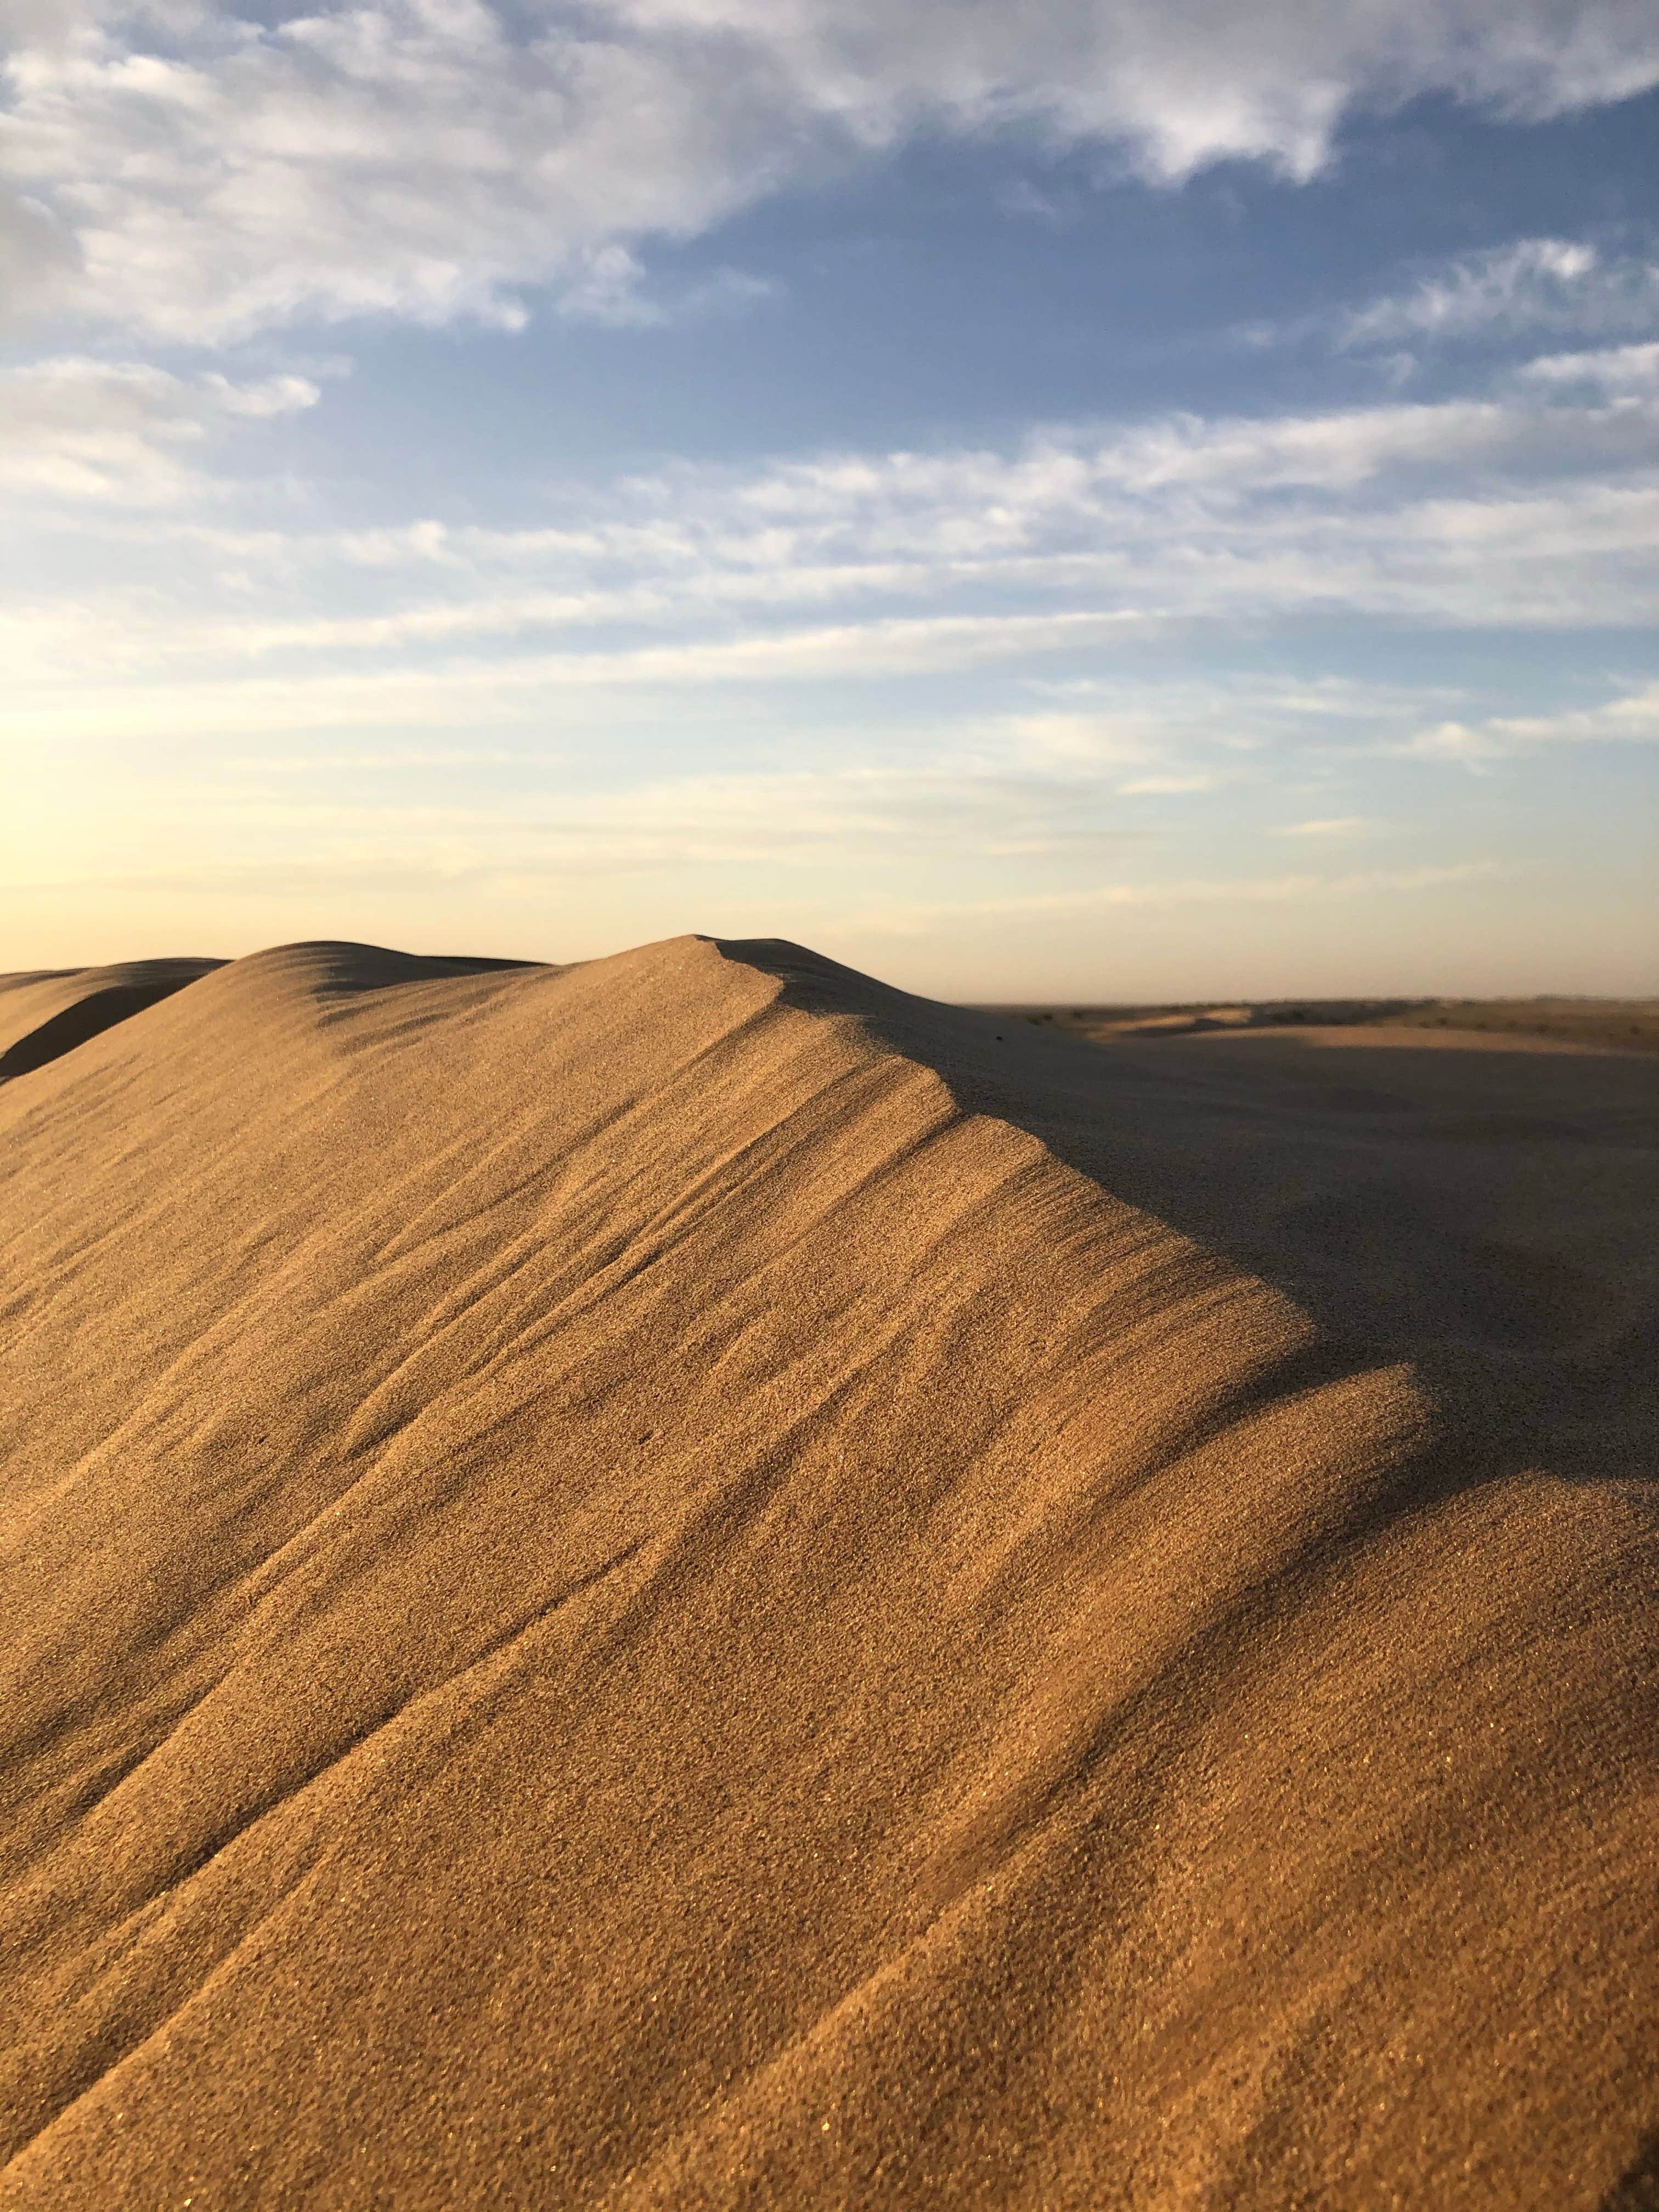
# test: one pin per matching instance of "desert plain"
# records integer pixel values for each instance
(687, 1581)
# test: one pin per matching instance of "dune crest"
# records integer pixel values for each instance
(662, 1584)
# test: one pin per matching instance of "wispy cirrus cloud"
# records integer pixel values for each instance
(1230, 891)
(1629, 717)
(1504, 296)
(1537, 506)
(1526, 285)
(986, 804)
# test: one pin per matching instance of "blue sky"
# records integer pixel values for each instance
(1109, 501)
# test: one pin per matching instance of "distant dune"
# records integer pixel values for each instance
(1618, 1024)
(687, 1582)
(45, 1016)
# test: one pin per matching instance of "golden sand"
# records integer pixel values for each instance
(687, 1581)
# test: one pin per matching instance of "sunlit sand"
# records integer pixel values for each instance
(687, 1581)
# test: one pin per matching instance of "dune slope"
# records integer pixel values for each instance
(44, 1016)
(656, 1584)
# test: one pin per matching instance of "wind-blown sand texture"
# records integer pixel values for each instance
(687, 1581)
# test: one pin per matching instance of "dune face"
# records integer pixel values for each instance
(42, 1016)
(685, 1582)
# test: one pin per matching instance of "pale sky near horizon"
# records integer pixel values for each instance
(1104, 498)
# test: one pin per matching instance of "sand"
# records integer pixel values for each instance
(1620, 1024)
(686, 1582)
(45, 1015)
(1377, 1036)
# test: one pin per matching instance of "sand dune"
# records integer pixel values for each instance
(44, 1016)
(686, 1582)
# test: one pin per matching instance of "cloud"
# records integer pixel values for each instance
(1629, 718)
(1531, 284)
(512, 689)
(1227, 891)
(191, 171)
(857, 816)
(1333, 825)
(1511, 291)
(611, 286)
(1536, 508)
(123, 432)
(1632, 370)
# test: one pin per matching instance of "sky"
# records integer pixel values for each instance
(1103, 499)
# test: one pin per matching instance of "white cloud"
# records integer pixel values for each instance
(123, 432)
(1526, 510)
(611, 286)
(1614, 370)
(191, 171)
(1330, 825)
(1531, 284)
(1519, 289)
(1629, 718)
